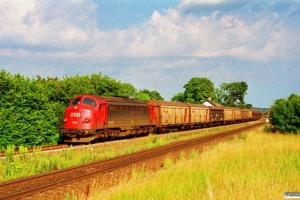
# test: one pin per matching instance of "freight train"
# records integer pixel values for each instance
(90, 117)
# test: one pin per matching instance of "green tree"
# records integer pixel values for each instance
(149, 95)
(198, 90)
(127, 89)
(285, 114)
(31, 110)
(27, 116)
(232, 94)
(220, 95)
(179, 97)
(143, 96)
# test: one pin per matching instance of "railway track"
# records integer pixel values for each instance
(62, 146)
(49, 181)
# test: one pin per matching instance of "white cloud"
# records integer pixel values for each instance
(209, 2)
(55, 25)
(173, 34)
(42, 28)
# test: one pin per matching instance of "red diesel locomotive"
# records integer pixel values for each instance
(89, 117)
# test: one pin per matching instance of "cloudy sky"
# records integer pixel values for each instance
(158, 45)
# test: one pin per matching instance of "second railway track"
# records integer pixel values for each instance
(33, 185)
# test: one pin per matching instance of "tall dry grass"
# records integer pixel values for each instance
(262, 166)
(38, 162)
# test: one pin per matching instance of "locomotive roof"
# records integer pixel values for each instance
(121, 100)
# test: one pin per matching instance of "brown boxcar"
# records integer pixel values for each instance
(256, 114)
(247, 114)
(170, 115)
(232, 115)
(216, 115)
(199, 115)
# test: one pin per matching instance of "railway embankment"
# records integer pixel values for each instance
(260, 166)
(112, 171)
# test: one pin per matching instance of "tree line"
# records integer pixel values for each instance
(284, 113)
(198, 90)
(32, 109)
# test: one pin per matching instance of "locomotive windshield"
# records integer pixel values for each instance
(90, 102)
(76, 101)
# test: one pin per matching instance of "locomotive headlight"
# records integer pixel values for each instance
(65, 120)
(87, 120)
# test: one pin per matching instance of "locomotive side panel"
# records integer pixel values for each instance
(125, 117)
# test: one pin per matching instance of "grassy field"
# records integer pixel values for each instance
(262, 166)
(38, 162)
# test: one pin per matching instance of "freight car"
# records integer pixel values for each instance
(89, 117)
(170, 116)
(232, 115)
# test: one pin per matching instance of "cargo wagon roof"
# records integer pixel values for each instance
(197, 105)
(168, 103)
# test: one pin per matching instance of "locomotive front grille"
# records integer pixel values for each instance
(76, 132)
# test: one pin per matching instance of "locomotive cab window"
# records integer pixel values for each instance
(76, 101)
(90, 102)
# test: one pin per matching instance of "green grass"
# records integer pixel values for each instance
(261, 166)
(38, 162)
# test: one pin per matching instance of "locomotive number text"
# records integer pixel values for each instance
(75, 114)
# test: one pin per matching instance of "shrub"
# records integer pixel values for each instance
(285, 114)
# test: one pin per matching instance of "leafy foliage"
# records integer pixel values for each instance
(149, 95)
(285, 114)
(232, 94)
(142, 96)
(31, 110)
(198, 90)
(179, 97)
(26, 114)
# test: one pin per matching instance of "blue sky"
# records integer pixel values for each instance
(157, 45)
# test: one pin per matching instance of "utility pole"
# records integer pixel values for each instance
(154, 90)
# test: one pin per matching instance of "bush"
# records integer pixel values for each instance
(32, 109)
(285, 114)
